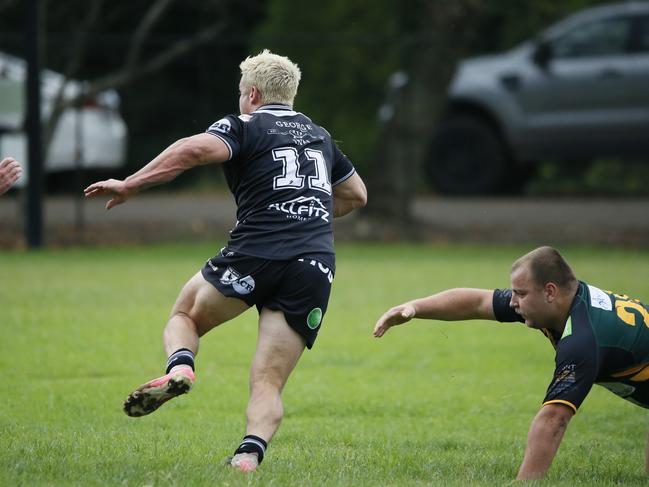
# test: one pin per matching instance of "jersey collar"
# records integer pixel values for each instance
(277, 109)
(274, 106)
(554, 336)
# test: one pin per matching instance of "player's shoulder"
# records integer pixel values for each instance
(227, 123)
(590, 313)
(595, 297)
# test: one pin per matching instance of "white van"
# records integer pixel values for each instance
(93, 136)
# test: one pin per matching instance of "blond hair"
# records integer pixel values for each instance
(276, 77)
(546, 264)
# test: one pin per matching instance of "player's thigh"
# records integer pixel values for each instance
(205, 305)
(279, 348)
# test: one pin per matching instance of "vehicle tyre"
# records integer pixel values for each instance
(467, 157)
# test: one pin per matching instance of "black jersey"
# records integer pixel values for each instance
(281, 171)
(605, 341)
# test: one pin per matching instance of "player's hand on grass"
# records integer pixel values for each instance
(111, 187)
(394, 316)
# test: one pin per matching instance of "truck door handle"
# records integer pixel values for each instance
(511, 81)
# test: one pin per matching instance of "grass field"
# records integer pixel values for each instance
(429, 404)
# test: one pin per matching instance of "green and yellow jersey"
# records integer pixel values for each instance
(605, 341)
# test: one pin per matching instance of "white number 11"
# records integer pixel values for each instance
(291, 177)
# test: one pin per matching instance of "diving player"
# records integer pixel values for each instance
(600, 338)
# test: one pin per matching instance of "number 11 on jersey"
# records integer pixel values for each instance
(291, 177)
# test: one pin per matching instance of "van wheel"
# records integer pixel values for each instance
(467, 157)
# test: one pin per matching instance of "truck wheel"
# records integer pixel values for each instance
(467, 157)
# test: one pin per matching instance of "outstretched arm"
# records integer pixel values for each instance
(349, 195)
(178, 157)
(451, 305)
(543, 440)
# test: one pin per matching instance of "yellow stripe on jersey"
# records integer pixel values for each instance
(641, 376)
(642, 369)
(561, 401)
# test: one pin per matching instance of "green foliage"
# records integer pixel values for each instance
(602, 177)
(430, 403)
(346, 53)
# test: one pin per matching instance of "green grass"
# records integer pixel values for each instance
(429, 404)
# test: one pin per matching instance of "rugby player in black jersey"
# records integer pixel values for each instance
(289, 180)
(600, 338)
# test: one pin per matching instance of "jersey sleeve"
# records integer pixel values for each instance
(230, 130)
(341, 168)
(575, 371)
(502, 310)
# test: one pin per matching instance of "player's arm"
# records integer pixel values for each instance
(178, 157)
(349, 195)
(450, 305)
(543, 440)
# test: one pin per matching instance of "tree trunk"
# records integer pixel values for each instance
(411, 113)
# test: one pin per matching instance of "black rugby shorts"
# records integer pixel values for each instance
(299, 287)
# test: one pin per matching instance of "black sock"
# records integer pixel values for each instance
(184, 356)
(252, 444)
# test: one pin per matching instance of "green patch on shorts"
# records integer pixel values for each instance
(314, 318)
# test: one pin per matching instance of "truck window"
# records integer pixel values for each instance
(603, 37)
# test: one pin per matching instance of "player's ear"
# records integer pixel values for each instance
(255, 95)
(551, 291)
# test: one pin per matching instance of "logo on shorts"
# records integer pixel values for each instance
(228, 253)
(242, 285)
(245, 285)
(229, 276)
(314, 318)
(323, 268)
